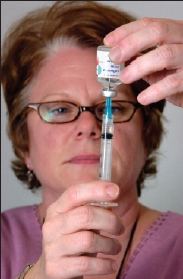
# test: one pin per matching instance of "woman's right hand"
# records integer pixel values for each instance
(71, 233)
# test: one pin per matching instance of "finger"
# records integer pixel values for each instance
(122, 32)
(73, 267)
(85, 218)
(169, 57)
(87, 242)
(81, 194)
(157, 32)
(165, 88)
(157, 25)
(176, 99)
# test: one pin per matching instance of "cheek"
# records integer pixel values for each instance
(41, 137)
(129, 144)
(128, 155)
(123, 137)
(45, 139)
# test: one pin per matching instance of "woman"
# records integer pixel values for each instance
(48, 66)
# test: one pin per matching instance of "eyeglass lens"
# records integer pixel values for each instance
(62, 112)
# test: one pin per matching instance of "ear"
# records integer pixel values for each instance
(28, 161)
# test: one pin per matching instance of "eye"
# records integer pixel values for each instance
(58, 110)
(116, 109)
(100, 110)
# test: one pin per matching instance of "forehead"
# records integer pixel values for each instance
(69, 71)
(70, 61)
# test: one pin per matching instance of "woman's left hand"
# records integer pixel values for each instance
(162, 67)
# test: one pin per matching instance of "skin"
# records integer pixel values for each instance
(71, 227)
(161, 68)
(54, 166)
(73, 148)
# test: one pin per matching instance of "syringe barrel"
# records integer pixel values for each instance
(106, 149)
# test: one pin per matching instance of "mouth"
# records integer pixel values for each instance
(85, 159)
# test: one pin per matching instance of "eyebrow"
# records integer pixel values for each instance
(60, 94)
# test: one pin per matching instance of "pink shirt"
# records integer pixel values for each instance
(159, 254)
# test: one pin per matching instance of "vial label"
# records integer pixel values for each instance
(105, 67)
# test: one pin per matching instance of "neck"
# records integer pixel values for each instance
(128, 208)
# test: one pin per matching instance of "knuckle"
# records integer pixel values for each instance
(158, 28)
(88, 241)
(73, 193)
(115, 224)
(99, 267)
(130, 43)
(86, 215)
(83, 264)
(50, 211)
(173, 81)
(165, 53)
(146, 21)
(47, 228)
(86, 264)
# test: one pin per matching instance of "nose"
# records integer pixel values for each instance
(87, 126)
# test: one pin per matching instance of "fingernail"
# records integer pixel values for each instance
(109, 40)
(112, 191)
(115, 54)
(114, 266)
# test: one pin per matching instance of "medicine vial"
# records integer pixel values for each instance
(107, 71)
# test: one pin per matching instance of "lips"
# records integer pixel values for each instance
(85, 159)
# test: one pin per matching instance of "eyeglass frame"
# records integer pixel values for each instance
(81, 109)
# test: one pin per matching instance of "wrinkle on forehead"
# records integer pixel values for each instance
(68, 62)
(72, 71)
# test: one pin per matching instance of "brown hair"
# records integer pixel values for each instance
(26, 48)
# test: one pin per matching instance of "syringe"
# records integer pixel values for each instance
(106, 143)
(108, 75)
(106, 147)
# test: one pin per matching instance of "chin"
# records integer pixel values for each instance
(85, 178)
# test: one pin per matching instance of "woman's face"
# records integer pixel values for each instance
(65, 154)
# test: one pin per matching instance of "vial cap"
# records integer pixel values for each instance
(109, 93)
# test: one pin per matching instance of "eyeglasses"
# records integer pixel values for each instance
(64, 112)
